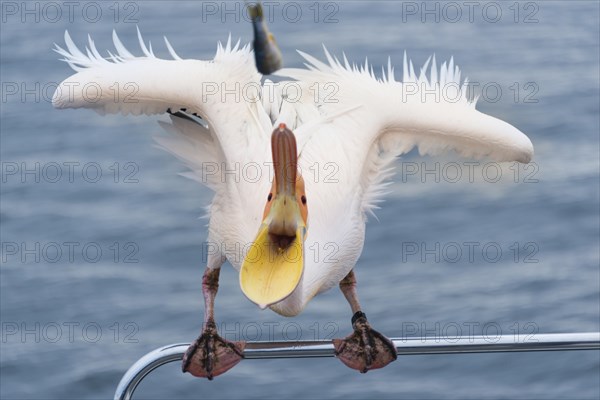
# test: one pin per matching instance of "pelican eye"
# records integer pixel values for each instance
(303, 199)
(270, 196)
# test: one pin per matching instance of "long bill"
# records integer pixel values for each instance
(274, 264)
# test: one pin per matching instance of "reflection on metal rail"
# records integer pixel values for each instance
(405, 346)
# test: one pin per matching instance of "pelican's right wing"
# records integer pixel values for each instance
(225, 91)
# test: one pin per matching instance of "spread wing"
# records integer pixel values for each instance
(224, 91)
(430, 111)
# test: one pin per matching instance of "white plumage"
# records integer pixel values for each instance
(349, 125)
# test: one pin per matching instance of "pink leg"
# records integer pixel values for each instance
(365, 348)
(211, 355)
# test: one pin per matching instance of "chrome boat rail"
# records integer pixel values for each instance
(404, 346)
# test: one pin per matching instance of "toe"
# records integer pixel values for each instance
(351, 353)
(226, 356)
(382, 350)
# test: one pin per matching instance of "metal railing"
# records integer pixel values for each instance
(404, 346)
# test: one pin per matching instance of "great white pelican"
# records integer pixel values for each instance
(340, 115)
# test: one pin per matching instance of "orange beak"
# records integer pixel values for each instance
(273, 266)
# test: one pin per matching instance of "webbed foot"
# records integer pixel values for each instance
(211, 355)
(365, 349)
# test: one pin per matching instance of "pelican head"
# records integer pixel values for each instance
(274, 264)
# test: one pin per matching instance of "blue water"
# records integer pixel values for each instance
(74, 321)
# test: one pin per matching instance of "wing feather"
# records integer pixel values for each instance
(431, 111)
(213, 89)
(147, 84)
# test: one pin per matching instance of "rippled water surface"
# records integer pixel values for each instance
(74, 321)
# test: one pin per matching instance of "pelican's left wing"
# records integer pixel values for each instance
(430, 111)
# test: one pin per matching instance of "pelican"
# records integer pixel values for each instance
(222, 113)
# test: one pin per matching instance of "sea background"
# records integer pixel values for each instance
(73, 323)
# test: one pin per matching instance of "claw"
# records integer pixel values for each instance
(365, 349)
(211, 355)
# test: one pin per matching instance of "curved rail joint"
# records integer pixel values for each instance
(404, 346)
